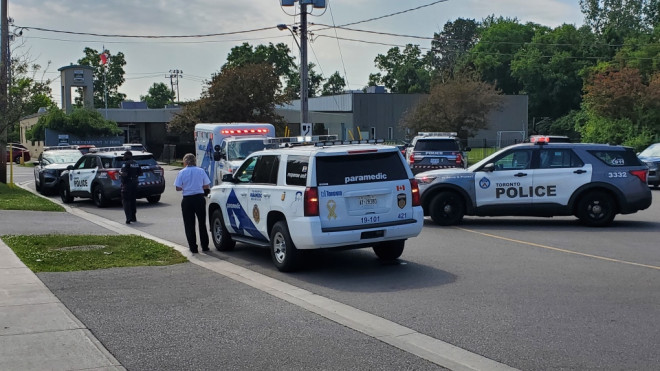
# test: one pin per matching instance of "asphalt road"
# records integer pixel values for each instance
(532, 293)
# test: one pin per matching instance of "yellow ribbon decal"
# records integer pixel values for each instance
(332, 205)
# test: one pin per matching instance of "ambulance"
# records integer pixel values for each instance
(221, 147)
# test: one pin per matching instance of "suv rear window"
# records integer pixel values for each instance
(617, 158)
(437, 145)
(363, 168)
(143, 160)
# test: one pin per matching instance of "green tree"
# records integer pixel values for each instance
(625, 17)
(407, 71)
(459, 105)
(246, 93)
(107, 77)
(82, 122)
(499, 42)
(549, 69)
(451, 46)
(159, 96)
(334, 85)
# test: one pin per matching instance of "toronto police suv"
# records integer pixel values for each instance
(591, 181)
(51, 163)
(96, 175)
(436, 150)
(320, 196)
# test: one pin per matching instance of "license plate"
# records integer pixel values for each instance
(435, 161)
(368, 201)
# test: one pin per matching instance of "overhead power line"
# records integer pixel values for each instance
(144, 36)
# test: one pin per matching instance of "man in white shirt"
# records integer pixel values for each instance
(195, 185)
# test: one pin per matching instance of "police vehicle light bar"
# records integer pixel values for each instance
(437, 134)
(300, 140)
(245, 131)
(539, 139)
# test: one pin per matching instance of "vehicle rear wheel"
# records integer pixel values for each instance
(596, 209)
(221, 238)
(285, 255)
(65, 193)
(153, 199)
(17, 160)
(99, 197)
(389, 250)
(447, 208)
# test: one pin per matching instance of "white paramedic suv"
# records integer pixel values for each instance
(318, 196)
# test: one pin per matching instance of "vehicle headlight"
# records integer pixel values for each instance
(426, 179)
(652, 165)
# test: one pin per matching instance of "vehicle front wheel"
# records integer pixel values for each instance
(99, 197)
(17, 160)
(447, 208)
(285, 255)
(38, 181)
(153, 199)
(221, 238)
(389, 250)
(596, 209)
(65, 193)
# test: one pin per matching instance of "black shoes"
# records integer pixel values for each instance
(205, 249)
(128, 222)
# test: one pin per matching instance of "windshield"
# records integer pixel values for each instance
(63, 158)
(485, 160)
(652, 151)
(239, 150)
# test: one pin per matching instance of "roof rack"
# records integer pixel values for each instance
(300, 141)
(437, 134)
(340, 142)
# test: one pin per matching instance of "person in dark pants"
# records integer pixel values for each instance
(130, 172)
(195, 185)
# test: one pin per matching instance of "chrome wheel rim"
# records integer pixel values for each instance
(279, 248)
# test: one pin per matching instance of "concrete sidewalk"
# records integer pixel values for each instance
(37, 331)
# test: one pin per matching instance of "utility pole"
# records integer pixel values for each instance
(174, 80)
(304, 66)
(4, 71)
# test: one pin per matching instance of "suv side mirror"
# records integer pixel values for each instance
(228, 178)
(489, 167)
(468, 149)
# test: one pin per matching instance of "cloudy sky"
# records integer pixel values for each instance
(150, 60)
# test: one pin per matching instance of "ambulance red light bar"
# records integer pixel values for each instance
(254, 131)
(539, 139)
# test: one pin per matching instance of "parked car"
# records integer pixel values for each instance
(96, 175)
(436, 150)
(591, 181)
(317, 197)
(50, 165)
(651, 157)
(17, 152)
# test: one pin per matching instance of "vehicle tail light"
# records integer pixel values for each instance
(641, 174)
(411, 160)
(113, 174)
(311, 201)
(414, 189)
(158, 171)
(459, 159)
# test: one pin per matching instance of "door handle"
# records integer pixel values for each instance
(580, 171)
(519, 175)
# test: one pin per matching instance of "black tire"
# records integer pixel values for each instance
(99, 197)
(447, 208)
(221, 238)
(17, 160)
(596, 209)
(153, 199)
(389, 250)
(65, 193)
(284, 254)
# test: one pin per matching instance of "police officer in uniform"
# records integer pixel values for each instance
(195, 185)
(130, 171)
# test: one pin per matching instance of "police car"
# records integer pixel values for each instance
(51, 163)
(591, 181)
(96, 175)
(326, 195)
(436, 150)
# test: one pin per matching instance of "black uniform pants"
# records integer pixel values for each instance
(195, 207)
(128, 195)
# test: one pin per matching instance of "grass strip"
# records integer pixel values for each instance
(13, 197)
(67, 253)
